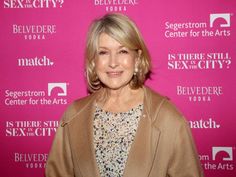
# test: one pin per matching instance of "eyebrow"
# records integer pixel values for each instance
(103, 47)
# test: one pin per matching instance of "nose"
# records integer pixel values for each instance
(113, 61)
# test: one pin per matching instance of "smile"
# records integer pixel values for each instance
(114, 73)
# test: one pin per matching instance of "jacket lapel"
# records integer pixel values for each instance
(83, 141)
(143, 149)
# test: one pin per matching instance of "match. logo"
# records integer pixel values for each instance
(62, 86)
(35, 61)
(214, 17)
(228, 150)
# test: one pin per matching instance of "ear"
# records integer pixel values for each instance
(139, 53)
(93, 63)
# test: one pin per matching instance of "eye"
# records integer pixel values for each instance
(123, 51)
(102, 52)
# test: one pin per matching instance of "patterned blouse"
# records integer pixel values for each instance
(113, 136)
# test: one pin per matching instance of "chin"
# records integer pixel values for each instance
(113, 87)
(116, 86)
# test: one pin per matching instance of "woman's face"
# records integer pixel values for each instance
(114, 63)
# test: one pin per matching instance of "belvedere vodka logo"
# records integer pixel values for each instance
(30, 160)
(30, 4)
(199, 93)
(34, 32)
(115, 5)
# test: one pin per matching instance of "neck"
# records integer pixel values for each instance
(119, 94)
(122, 98)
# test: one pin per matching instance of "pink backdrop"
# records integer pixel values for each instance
(192, 44)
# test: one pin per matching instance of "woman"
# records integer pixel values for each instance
(123, 128)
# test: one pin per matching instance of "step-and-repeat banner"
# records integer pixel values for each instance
(192, 44)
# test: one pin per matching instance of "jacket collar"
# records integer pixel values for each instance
(143, 148)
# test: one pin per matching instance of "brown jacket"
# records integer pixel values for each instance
(163, 145)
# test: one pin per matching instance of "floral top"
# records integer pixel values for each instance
(113, 136)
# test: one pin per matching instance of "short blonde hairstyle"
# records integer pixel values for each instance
(124, 30)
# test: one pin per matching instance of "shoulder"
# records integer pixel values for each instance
(75, 108)
(153, 98)
(163, 110)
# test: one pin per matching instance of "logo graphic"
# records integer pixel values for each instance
(228, 150)
(37, 97)
(114, 5)
(62, 86)
(30, 160)
(204, 124)
(13, 4)
(28, 128)
(35, 31)
(199, 61)
(199, 29)
(224, 162)
(200, 94)
(36, 61)
(214, 17)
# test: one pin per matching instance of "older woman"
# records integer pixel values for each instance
(123, 128)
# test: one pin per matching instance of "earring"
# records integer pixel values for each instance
(135, 71)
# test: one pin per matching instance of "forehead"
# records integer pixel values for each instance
(106, 41)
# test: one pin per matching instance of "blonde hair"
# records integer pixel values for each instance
(124, 30)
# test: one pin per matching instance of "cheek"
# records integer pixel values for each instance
(128, 62)
(100, 64)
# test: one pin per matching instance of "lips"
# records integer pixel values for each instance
(114, 73)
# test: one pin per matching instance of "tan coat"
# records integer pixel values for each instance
(163, 145)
